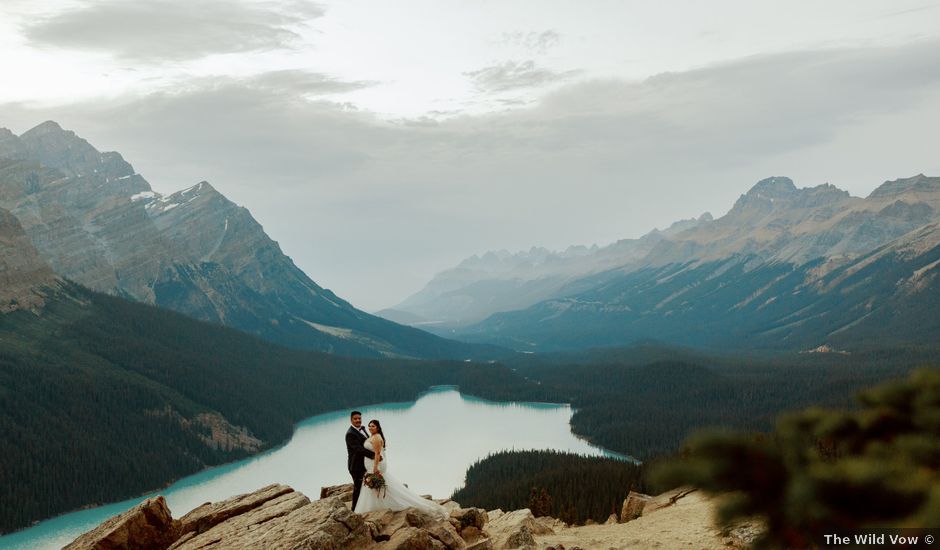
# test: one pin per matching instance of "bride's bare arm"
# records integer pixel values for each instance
(379, 446)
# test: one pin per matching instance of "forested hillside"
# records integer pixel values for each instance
(102, 399)
(644, 401)
(566, 486)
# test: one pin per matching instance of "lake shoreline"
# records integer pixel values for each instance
(222, 469)
(170, 483)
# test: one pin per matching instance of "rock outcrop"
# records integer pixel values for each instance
(276, 516)
(515, 529)
(205, 517)
(288, 520)
(343, 492)
(633, 506)
(147, 525)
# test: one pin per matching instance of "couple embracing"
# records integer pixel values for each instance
(368, 453)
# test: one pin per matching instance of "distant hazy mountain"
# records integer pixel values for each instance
(786, 267)
(502, 281)
(97, 222)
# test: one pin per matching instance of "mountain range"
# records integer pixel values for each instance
(97, 222)
(784, 268)
(502, 281)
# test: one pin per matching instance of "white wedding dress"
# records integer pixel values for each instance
(394, 496)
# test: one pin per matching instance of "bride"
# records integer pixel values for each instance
(395, 495)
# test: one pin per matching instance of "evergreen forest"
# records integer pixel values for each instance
(100, 398)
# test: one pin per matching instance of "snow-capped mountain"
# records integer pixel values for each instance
(95, 221)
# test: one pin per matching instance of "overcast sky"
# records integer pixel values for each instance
(382, 142)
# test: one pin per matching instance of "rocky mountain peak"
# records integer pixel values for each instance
(779, 193)
(777, 186)
(821, 195)
(45, 128)
(765, 194)
(22, 273)
(681, 225)
(202, 189)
(54, 136)
(202, 192)
(536, 256)
(579, 250)
(6, 135)
(65, 151)
(11, 147)
(917, 184)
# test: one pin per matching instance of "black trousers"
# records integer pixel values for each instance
(357, 486)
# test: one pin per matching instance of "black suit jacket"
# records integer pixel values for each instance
(356, 452)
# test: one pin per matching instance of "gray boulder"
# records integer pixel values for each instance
(149, 525)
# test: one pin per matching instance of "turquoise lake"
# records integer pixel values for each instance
(431, 443)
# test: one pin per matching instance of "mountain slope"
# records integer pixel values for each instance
(500, 281)
(95, 221)
(785, 268)
(24, 277)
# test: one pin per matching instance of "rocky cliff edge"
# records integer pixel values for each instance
(276, 516)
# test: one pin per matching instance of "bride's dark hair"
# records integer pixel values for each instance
(378, 427)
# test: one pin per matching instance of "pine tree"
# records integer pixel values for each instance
(821, 470)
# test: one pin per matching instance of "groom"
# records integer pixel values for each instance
(355, 437)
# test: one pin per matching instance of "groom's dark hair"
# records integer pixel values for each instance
(354, 413)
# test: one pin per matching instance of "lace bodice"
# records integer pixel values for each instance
(383, 465)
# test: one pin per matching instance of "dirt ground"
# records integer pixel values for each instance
(685, 524)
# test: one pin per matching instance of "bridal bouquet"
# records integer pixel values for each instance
(375, 482)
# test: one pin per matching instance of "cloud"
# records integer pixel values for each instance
(356, 199)
(514, 75)
(173, 30)
(535, 42)
(304, 83)
(909, 11)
